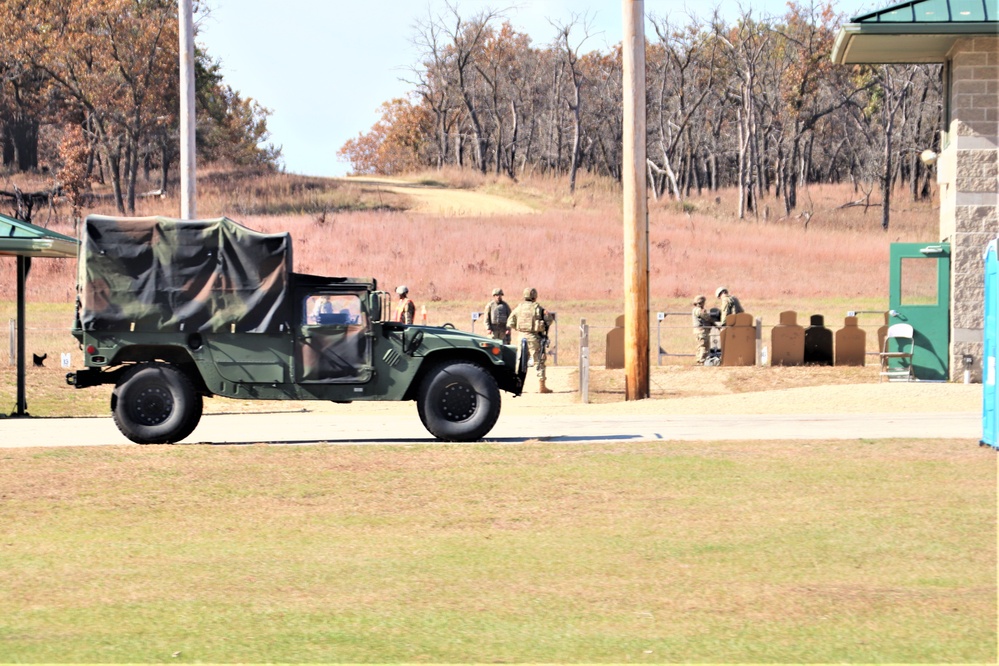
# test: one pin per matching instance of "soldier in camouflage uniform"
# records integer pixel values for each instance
(497, 313)
(405, 310)
(729, 303)
(531, 320)
(702, 322)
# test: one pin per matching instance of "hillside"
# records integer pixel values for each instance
(569, 248)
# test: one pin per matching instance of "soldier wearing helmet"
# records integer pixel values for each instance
(497, 313)
(703, 323)
(405, 310)
(532, 321)
(729, 303)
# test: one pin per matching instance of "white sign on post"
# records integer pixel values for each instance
(67, 359)
(475, 316)
(660, 316)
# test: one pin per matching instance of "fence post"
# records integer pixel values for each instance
(759, 341)
(13, 341)
(660, 316)
(553, 349)
(584, 361)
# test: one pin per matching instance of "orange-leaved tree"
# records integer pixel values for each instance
(115, 60)
(397, 143)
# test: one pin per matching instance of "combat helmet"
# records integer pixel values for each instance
(402, 290)
(700, 300)
(530, 294)
(497, 292)
(719, 291)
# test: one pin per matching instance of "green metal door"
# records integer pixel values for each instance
(919, 294)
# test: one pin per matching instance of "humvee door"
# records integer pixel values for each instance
(334, 337)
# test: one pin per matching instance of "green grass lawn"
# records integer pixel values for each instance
(857, 551)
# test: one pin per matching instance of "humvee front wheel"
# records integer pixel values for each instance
(155, 403)
(459, 402)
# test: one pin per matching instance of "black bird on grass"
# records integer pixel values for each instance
(39, 361)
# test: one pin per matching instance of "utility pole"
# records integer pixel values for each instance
(188, 184)
(636, 220)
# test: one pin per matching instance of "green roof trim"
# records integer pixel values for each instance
(914, 32)
(28, 240)
(934, 11)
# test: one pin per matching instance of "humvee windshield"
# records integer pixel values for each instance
(333, 309)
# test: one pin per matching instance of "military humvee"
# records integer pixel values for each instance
(173, 311)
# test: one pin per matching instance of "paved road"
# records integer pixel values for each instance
(313, 428)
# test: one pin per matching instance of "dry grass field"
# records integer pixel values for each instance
(570, 249)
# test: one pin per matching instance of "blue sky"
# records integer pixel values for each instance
(323, 67)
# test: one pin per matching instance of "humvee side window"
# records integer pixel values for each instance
(333, 310)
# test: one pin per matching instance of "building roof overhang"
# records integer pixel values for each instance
(19, 238)
(903, 43)
(914, 32)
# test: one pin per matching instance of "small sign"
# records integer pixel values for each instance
(476, 315)
(660, 316)
(67, 359)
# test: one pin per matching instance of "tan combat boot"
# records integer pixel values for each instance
(542, 388)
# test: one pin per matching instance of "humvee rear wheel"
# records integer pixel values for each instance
(459, 402)
(155, 403)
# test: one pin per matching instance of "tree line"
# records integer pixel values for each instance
(755, 104)
(91, 87)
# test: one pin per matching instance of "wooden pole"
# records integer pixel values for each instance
(636, 224)
(188, 182)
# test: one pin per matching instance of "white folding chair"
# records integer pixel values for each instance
(899, 345)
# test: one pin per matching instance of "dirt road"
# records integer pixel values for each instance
(445, 202)
(829, 412)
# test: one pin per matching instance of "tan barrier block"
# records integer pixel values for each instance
(787, 341)
(882, 333)
(738, 340)
(615, 346)
(851, 343)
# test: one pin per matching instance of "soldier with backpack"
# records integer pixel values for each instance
(532, 321)
(729, 303)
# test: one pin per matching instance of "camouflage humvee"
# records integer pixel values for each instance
(171, 311)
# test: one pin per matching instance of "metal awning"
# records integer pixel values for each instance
(23, 239)
(26, 241)
(919, 31)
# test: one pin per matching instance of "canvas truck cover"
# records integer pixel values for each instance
(161, 274)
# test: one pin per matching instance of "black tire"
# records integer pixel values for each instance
(459, 402)
(155, 403)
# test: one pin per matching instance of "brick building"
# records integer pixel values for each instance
(963, 35)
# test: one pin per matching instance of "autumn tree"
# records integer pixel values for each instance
(231, 128)
(72, 174)
(395, 144)
(754, 104)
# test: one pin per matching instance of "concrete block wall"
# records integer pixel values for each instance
(968, 174)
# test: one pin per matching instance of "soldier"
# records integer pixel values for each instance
(497, 312)
(702, 322)
(531, 320)
(405, 311)
(729, 303)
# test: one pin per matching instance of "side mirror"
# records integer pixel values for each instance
(410, 346)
